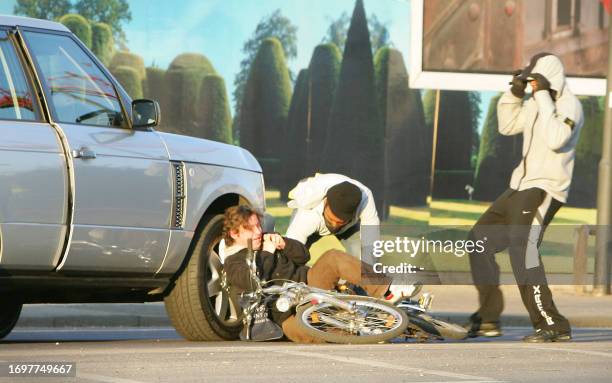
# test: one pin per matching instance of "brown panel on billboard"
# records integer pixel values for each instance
(495, 36)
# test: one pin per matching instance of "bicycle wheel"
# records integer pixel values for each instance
(436, 327)
(372, 321)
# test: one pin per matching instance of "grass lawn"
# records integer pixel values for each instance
(455, 218)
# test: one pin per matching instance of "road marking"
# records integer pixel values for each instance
(105, 379)
(585, 352)
(388, 366)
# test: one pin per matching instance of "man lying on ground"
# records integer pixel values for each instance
(278, 257)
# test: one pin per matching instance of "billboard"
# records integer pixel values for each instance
(475, 45)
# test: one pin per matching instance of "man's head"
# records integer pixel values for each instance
(341, 204)
(242, 223)
(547, 65)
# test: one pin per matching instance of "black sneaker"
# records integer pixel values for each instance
(544, 336)
(477, 328)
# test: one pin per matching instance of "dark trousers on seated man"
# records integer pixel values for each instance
(515, 221)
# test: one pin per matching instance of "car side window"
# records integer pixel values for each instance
(16, 100)
(76, 89)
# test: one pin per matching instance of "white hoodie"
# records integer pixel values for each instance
(308, 197)
(550, 128)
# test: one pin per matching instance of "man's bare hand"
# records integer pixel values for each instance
(273, 242)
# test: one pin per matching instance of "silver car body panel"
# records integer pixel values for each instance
(122, 200)
(205, 184)
(33, 195)
(191, 149)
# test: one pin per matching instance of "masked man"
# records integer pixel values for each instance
(550, 121)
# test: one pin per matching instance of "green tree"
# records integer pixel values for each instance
(214, 112)
(111, 12)
(294, 149)
(324, 72)
(264, 108)
(338, 29)
(102, 43)
(407, 140)
(273, 25)
(182, 84)
(355, 139)
(79, 26)
(498, 155)
(42, 9)
(583, 192)
(130, 79)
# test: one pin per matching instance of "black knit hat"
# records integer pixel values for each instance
(343, 199)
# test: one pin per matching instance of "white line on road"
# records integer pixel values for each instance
(389, 366)
(585, 352)
(105, 379)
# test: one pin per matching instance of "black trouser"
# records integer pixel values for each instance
(516, 221)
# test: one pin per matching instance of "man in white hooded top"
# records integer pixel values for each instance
(550, 121)
(334, 204)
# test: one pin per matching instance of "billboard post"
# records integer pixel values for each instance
(601, 281)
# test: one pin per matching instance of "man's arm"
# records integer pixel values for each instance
(303, 224)
(558, 124)
(511, 115)
(370, 227)
(296, 252)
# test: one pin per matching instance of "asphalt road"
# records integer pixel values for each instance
(133, 355)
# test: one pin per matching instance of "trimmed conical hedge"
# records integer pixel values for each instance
(129, 78)
(102, 42)
(129, 59)
(79, 26)
(324, 72)
(498, 155)
(407, 140)
(583, 192)
(354, 144)
(192, 61)
(154, 84)
(264, 109)
(294, 150)
(182, 84)
(214, 113)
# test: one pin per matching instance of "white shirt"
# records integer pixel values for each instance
(308, 201)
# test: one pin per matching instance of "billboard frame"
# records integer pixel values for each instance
(420, 79)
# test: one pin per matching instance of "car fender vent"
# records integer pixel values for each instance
(178, 203)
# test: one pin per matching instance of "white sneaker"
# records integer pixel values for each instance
(398, 292)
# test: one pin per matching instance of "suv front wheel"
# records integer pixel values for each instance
(199, 305)
(9, 314)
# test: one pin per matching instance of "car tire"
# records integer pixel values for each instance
(9, 314)
(200, 305)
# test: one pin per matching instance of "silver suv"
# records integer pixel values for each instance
(95, 205)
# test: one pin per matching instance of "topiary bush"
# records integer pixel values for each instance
(79, 26)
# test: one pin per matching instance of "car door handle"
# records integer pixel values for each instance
(84, 153)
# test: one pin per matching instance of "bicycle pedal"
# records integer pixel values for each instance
(426, 300)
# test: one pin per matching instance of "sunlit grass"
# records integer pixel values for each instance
(557, 249)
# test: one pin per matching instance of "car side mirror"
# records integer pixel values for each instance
(145, 113)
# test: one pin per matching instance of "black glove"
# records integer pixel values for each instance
(518, 84)
(542, 82)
